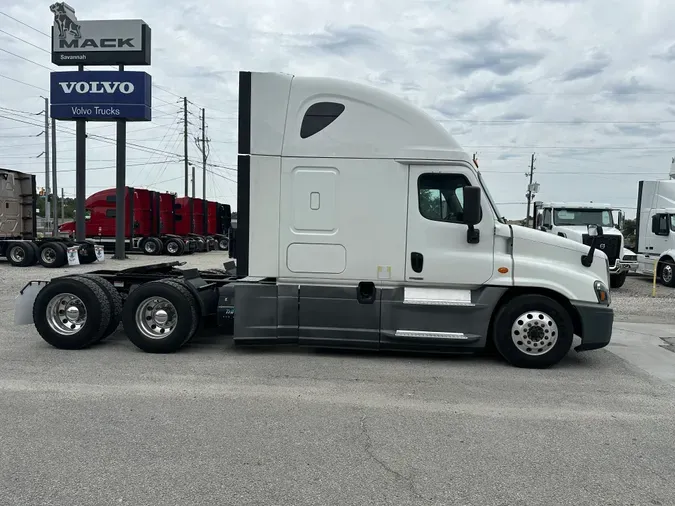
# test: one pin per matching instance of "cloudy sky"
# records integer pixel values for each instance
(586, 85)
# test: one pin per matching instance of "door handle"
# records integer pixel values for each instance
(416, 261)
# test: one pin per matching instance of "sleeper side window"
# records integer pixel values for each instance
(441, 197)
(319, 116)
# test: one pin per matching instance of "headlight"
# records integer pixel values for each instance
(630, 258)
(602, 293)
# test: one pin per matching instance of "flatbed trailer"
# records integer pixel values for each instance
(423, 263)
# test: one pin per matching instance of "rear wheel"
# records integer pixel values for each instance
(160, 316)
(52, 255)
(71, 313)
(21, 254)
(533, 331)
(151, 246)
(223, 243)
(114, 300)
(86, 253)
(174, 247)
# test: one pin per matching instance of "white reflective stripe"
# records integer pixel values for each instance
(437, 296)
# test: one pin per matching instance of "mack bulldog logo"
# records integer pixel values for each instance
(65, 20)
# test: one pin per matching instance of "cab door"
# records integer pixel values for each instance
(437, 249)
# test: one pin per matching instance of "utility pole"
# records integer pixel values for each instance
(63, 205)
(193, 182)
(185, 143)
(48, 214)
(55, 188)
(529, 191)
(204, 155)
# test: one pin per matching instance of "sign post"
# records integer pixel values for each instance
(100, 95)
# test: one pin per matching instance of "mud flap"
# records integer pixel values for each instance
(23, 303)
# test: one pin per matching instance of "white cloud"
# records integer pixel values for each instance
(584, 84)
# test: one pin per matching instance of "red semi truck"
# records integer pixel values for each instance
(155, 222)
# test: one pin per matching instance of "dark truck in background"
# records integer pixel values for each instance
(19, 240)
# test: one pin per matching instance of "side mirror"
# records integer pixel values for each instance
(594, 230)
(471, 205)
(620, 220)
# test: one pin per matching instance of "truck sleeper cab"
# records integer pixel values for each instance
(570, 220)
(361, 224)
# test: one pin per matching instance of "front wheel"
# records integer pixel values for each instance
(617, 280)
(533, 331)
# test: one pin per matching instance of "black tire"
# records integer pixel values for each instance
(21, 254)
(666, 271)
(148, 247)
(223, 243)
(537, 308)
(184, 304)
(86, 253)
(174, 247)
(617, 280)
(36, 250)
(95, 302)
(52, 255)
(201, 244)
(114, 300)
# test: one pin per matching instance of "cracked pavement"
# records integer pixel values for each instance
(215, 425)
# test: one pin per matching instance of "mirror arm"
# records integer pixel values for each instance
(472, 235)
(587, 260)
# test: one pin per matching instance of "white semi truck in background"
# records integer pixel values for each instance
(361, 224)
(655, 228)
(571, 220)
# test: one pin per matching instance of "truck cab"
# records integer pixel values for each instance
(361, 223)
(655, 229)
(571, 220)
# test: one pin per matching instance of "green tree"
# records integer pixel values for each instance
(629, 233)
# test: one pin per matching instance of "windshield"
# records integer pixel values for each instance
(583, 217)
(500, 218)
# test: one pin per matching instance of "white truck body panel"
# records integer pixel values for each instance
(656, 201)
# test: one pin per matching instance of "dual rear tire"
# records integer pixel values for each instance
(75, 312)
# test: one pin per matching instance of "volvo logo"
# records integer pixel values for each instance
(602, 245)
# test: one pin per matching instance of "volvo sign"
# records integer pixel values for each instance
(97, 42)
(101, 95)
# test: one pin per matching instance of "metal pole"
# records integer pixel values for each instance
(204, 207)
(120, 221)
(193, 182)
(80, 174)
(48, 213)
(529, 192)
(185, 143)
(55, 191)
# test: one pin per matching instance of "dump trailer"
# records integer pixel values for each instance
(148, 224)
(571, 219)
(361, 224)
(19, 241)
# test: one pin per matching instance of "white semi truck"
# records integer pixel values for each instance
(571, 220)
(361, 224)
(655, 229)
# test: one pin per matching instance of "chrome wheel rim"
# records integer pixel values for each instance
(667, 274)
(18, 254)
(48, 255)
(66, 314)
(150, 246)
(223, 244)
(172, 247)
(156, 318)
(534, 333)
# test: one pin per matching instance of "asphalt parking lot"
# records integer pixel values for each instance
(217, 425)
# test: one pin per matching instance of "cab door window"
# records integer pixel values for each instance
(441, 196)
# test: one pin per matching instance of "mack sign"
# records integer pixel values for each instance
(101, 95)
(97, 42)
